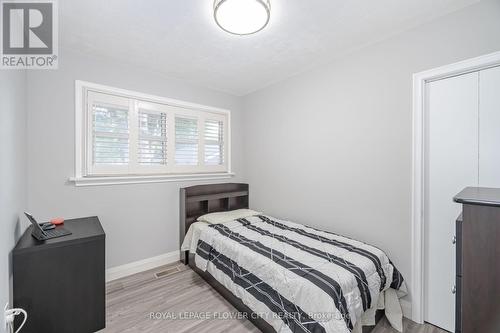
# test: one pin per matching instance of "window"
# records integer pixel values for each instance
(214, 142)
(110, 135)
(122, 133)
(186, 141)
(152, 145)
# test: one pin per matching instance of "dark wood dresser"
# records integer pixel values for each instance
(478, 261)
(61, 282)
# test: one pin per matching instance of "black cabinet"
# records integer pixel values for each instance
(478, 261)
(61, 282)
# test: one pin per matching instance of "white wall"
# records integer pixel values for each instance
(332, 147)
(140, 221)
(12, 172)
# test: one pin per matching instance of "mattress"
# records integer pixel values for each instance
(298, 278)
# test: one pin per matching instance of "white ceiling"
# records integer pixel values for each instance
(180, 39)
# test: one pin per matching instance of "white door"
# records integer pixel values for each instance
(489, 125)
(451, 164)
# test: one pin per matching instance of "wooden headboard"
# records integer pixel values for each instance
(199, 200)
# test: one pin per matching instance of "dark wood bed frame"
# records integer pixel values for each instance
(198, 200)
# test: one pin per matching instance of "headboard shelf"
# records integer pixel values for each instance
(217, 196)
(199, 200)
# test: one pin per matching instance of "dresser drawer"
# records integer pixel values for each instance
(458, 246)
(458, 305)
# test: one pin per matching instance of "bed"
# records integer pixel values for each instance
(285, 276)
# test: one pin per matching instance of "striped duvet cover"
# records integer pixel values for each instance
(297, 278)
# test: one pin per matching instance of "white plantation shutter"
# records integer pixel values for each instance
(110, 135)
(186, 141)
(214, 142)
(109, 132)
(123, 135)
(152, 145)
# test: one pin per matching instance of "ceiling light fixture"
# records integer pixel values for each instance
(242, 17)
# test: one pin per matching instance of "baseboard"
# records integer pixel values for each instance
(117, 272)
(406, 308)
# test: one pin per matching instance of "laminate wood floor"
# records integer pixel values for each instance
(173, 303)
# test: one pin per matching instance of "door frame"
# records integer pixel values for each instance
(418, 172)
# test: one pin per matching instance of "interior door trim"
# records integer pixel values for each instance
(418, 176)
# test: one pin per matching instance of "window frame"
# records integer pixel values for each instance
(88, 174)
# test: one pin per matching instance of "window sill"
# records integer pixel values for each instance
(142, 179)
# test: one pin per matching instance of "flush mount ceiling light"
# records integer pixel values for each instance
(242, 17)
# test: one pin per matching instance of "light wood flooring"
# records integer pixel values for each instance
(146, 303)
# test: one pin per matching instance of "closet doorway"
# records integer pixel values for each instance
(456, 144)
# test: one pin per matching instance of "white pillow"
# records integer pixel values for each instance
(221, 217)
